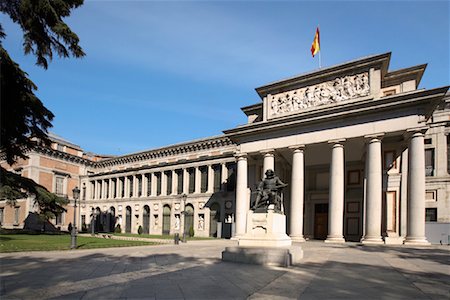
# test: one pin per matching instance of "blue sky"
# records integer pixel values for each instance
(158, 73)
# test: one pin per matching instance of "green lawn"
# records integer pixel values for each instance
(44, 242)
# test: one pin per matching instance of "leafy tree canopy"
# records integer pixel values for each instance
(24, 120)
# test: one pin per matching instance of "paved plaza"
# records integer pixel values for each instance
(194, 271)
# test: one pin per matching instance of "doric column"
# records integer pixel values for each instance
(242, 200)
(416, 192)
(210, 179)
(269, 161)
(336, 197)
(373, 192)
(154, 184)
(117, 187)
(297, 194)
(96, 189)
(185, 181)
(224, 176)
(198, 180)
(163, 183)
(174, 182)
(135, 186)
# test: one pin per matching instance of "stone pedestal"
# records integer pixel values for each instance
(265, 242)
(265, 230)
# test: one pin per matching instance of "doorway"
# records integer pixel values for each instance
(321, 221)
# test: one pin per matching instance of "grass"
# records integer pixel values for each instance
(165, 237)
(48, 242)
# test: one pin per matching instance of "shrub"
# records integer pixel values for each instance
(118, 229)
(140, 229)
(191, 231)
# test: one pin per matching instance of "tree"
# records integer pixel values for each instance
(24, 120)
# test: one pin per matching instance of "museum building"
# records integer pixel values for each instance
(364, 152)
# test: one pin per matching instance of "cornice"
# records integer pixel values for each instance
(183, 148)
(347, 109)
(62, 155)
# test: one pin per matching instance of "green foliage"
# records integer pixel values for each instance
(140, 230)
(14, 186)
(191, 231)
(24, 119)
(118, 229)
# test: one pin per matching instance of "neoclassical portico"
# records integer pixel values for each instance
(335, 136)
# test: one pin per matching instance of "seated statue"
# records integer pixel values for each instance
(268, 192)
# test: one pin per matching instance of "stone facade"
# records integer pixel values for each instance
(364, 151)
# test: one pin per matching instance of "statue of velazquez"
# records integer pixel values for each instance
(269, 192)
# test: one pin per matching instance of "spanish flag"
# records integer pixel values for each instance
(315, 47)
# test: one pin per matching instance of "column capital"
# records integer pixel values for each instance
(374, 136)
(241, 156)
(415, 132)
(336, 142)
(295, 148)
(267, 152)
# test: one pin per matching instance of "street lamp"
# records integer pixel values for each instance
(183, 213)
(76, 195)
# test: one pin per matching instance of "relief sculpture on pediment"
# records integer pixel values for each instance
(333, 91)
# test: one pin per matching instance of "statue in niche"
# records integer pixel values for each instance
(201, 223)
(268, 193)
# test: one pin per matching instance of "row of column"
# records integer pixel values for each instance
(112, 187)
(374, 191)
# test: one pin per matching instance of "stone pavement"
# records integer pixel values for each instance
(194, 271)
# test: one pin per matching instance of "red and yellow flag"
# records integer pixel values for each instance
(315, 47)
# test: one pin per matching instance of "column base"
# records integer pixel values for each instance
(416, 241)
(297, 238)
(389, 240)
(335, 240)
(372, 241)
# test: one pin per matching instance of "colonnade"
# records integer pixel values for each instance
(373, 190)
(145, 184)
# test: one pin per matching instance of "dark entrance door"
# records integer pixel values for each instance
(321, 221)
(146, 220)
(166, 220)
(128, 220)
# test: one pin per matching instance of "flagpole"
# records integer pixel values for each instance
(320, 49)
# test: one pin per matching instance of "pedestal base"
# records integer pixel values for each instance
(389, 240)
(411, 241)
(338, 240)
(282, 257)
(372, 241)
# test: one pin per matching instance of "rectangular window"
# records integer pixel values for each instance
(231, 180)
(139, 183)
(204, 179)
(149, 184)
(107, 188)
(191, 172)
(83, 194)
(100, 190)
(217, 178)
(429, 162)
(1, 215)
(169, 182)
(122, 187)
(59, 219)
(59, 187)
(130, 180)
(158, 183)
(431, 214)
(16, 215)
(83, 220)
(180, 181)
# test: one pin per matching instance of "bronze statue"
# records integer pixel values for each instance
(268, 192)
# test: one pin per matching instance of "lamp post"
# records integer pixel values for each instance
(76, 194)
(183, 213)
